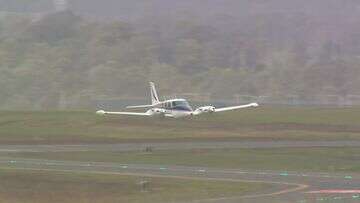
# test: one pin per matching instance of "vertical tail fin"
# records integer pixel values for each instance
(154, 96)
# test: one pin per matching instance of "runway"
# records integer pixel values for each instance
(288, 187)
(176, 145)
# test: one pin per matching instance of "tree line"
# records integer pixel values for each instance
(62, 56)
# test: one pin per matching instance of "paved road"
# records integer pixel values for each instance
(176, 146)
(289, 186)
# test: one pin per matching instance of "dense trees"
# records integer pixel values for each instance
(62, 59)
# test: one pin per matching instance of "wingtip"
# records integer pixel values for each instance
(100, 112)
(255, 104)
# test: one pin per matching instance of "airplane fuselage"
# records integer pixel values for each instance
(175, 108)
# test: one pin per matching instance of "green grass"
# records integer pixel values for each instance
(305, 123)
(42, 186)
(340, 160)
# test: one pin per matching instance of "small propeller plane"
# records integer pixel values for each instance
(174, 108)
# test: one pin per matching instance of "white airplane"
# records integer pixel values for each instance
(174, 108)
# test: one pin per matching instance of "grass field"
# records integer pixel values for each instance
(305, 123)
(41, 186)
(339, 160)
(275, 123)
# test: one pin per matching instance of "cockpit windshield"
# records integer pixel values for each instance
(181, 105)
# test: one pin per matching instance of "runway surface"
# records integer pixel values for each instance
(288, 186)
(176, 146)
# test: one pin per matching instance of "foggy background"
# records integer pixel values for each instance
(58, 54)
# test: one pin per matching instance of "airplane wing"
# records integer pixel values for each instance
(102, 112)
(140, 106)
(230, 108)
